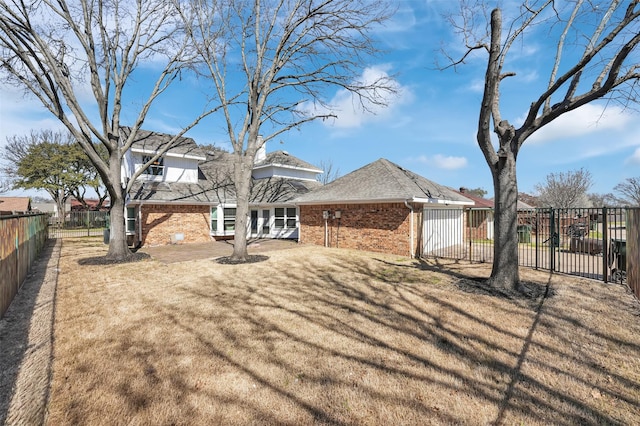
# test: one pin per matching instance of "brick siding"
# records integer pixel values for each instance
(160, 222)
(383, 227)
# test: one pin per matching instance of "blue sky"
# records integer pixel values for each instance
(429, 128)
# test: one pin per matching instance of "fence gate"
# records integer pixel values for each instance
(597, 243)
(79, 224)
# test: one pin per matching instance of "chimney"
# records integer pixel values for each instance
(261, 153)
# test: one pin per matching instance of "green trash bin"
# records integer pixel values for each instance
(618, 259)
(524, 233)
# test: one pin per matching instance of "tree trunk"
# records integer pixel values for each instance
(242, 175)
(118, 248)
(505, 249)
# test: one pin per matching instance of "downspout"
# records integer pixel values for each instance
(139, 225)
(410, 207)
(326, 233)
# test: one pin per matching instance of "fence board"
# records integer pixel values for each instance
(633, 250)
(21, 239)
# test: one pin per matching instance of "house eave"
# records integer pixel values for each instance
(441, 202)
(171, 202)
(168, 154)
(287, 166)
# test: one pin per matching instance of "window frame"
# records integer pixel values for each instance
(131, 219)
(285, 218)
(156, 168)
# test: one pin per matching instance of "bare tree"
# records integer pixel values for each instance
(269, 62)
(604, 66)
(329, 172)
(5, 184)
(603, 200)
(78, 57)
(565, 190)
(629, 191)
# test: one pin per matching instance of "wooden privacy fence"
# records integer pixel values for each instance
(599, 243)
(21, 240)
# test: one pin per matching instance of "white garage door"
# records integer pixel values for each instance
(443, 228)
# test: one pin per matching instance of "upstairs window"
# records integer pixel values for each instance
(156, 168)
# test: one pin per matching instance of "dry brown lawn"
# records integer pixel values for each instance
(329, 336)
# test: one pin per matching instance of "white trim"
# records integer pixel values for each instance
(287, 166)
(168, 154)
(385, 201)
(186, 202)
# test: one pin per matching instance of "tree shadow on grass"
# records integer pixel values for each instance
(103, 260)
(384, 337)
(252, 258)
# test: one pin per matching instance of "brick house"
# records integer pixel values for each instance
(382, 207)
(479, 217)
(187, 194)
(14, 205)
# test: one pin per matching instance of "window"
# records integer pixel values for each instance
(131, 219)
(285, 218)
(254, 221)
(156, 168)
(214, 219)
(265, 222)
(229, 219)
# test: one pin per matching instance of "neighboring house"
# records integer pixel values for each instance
(14, 205)
(382, 207)
(188, 195)
(480, 217)
(90, 205)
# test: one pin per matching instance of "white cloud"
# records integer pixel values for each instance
(586, 120)
(440, 161)
(20, 114)
(349, 110)
(634, 158)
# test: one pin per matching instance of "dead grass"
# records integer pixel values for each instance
(327, 336)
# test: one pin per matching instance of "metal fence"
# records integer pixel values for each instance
(79, 224)
(589, 242)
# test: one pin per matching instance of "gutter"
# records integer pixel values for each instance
(411, 236)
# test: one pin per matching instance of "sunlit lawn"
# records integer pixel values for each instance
(329, 336)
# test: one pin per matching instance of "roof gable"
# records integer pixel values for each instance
(284, 159)
(383, 180)
(15, 204)
(151, 142)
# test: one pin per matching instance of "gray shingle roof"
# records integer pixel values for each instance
(154, 141)
(202, 192)
(381, 180)
(215, 185)
(283, 158)
(280, 190)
